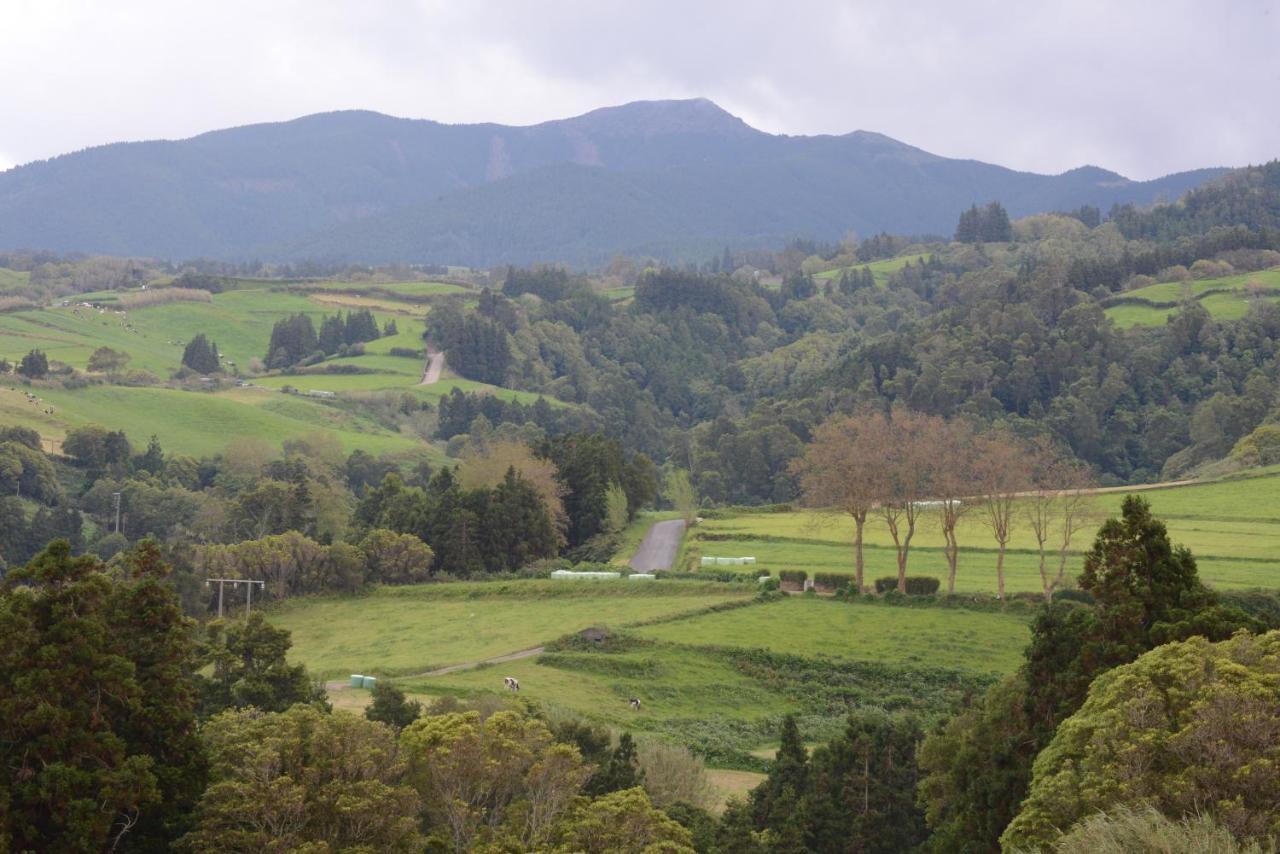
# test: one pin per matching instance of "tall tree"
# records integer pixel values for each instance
(842, 469)
(1002, 470)
(201, 355)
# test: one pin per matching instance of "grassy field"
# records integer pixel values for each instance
(240, 321)
(714, 667)
(1232, 527)
(1222, 306)
(880, 270)
(964, 641)
(399, 630)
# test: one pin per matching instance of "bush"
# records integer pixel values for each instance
(835, 581)
(793, 576)
(408, 352)
(1073, 596)
(917, 585)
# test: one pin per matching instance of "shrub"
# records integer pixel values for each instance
(407, 352)
(832, 580)
(1072, 596)
(917, 585)
(793, 576)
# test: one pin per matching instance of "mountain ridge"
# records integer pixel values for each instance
(365, 186)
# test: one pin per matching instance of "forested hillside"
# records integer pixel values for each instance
(675, 179)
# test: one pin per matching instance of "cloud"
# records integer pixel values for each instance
(1141, 87)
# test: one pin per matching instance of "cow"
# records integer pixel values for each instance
(512, 683)
(635, 704)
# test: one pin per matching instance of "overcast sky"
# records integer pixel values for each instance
(1145, 88)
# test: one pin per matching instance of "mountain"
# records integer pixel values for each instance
(676, 179)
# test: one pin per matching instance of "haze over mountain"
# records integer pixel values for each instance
(676, 179)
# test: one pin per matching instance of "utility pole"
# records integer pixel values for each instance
(117, 497)
(235, 582)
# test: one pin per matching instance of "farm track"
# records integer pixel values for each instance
(343, 685)
(659, 547)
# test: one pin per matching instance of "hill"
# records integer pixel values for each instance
(677, 179)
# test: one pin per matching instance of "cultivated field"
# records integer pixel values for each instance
(1231, 526)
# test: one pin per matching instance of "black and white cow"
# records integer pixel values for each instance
(512, 683)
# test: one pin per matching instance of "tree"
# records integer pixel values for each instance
(622, 822)
(842, 469)
(910, 474)
(390, 706)
(1190, 728)
(96, 724)
(151, 460)
(105, 360)
(246, 665)
(953, 485)
(393, 558)
(485, 464)
(787, 781)
(333, 333)
(301, 780)
(34, 365)
(672, 775)
(615, 501)
(201, 355)
(1002, 470)
(620, 771)
(1147, 831)
(503, 776)
(292, 340)
(1058, 508)
(680, 493)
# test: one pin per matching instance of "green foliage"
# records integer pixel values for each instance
(97, 725)
(623, 822)
(1147, 831)
(201, 355)
(917, 585)
(292, 340)
(246, 666)
(389, 706)
(34, 365)
(989, 224)
(1213, 744)
(620, 771)
(303, 780)
(793, 576)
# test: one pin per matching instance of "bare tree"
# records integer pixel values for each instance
(843, 469)
(953, 486)
(910, 468)
(1002, 470)
(1059, 507)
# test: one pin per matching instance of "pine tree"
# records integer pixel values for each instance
(201, 355)
(34, 365)
(622, 771)
(332, 334)
(152, 460)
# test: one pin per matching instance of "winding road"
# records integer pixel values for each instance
(659, 547)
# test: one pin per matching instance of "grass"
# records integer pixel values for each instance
(1232, 527)
(880, 270)
(964, 641)
(714, 678)
(197, 423)
(1232, 305)
(399, 630)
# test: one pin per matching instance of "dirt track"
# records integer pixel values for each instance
(434, 366)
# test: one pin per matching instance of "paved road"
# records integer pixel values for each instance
(435, 364)
(659, 546)
(343, 684)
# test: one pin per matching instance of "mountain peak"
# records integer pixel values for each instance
(658, 118)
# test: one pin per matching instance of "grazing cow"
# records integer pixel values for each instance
(512, 683)
(635, 704)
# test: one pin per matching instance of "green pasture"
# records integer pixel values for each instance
(405, 289)
(240, 321)
(952, 639)
(1222, 306)
(412, 629)
(880, 270)
(197, 423)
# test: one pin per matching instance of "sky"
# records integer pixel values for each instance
(1144, 88)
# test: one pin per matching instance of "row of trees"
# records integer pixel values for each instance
(905, 466)
(988, 224)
